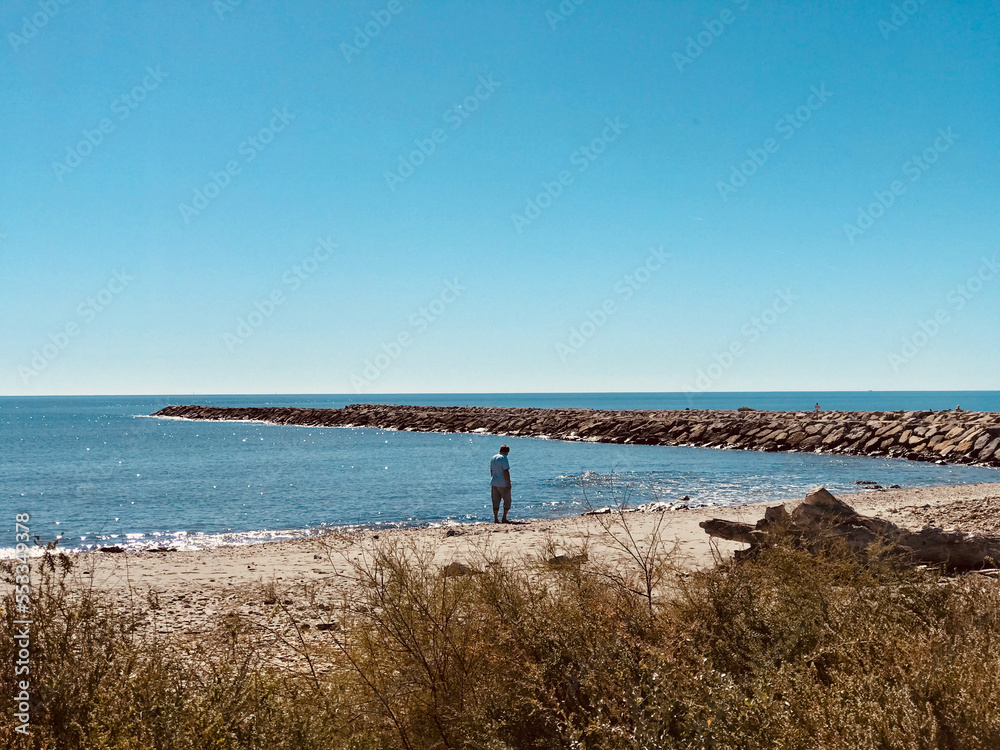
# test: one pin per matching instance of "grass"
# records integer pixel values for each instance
(789, 649)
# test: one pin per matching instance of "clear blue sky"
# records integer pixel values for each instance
(511, 98)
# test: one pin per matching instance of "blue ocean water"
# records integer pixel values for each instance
(91, 470)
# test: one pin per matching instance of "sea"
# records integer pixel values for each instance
(99, 470)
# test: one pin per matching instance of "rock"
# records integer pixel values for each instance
(456, 568)
(455, 532)
(990, 449)
(958, 437)
(821, 514)
(777, 514)
(819, 505)
(111, 548)
(657, 506)
(568, 559)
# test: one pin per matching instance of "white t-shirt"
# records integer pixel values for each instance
(497, 465)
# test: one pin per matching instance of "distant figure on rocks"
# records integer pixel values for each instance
(958, 408)
(816, 408)
(500, 483)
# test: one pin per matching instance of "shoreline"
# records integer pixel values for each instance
(944, 437)
(195, 587)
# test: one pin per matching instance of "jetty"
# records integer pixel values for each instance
(937, 436)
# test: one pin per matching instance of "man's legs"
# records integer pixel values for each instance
(505, 491)
(495, 496)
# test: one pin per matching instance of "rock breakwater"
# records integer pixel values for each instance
(943, 436)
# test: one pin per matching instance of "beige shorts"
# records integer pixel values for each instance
(499, 493)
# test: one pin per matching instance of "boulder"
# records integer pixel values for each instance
(456, 568)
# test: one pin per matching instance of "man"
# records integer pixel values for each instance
(500, 483)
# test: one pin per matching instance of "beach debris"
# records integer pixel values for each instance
(870, 485)
(110, 548)
(820, 516)
(657, 506)
(454, 532)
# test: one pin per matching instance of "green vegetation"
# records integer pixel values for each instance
(787, 650)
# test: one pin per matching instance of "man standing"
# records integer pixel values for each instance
(500, 483)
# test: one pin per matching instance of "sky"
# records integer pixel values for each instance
(408, 197)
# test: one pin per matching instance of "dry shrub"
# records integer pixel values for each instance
(829, 650)
(101, 678)
(790, 649)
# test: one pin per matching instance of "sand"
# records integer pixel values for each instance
(192, 590)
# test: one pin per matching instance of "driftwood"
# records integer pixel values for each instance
(822, 516)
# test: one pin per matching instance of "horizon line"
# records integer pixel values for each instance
(486, 393)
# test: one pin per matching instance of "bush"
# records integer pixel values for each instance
(788, 650)
(100, 678)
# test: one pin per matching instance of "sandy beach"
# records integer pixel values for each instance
(193, 589)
